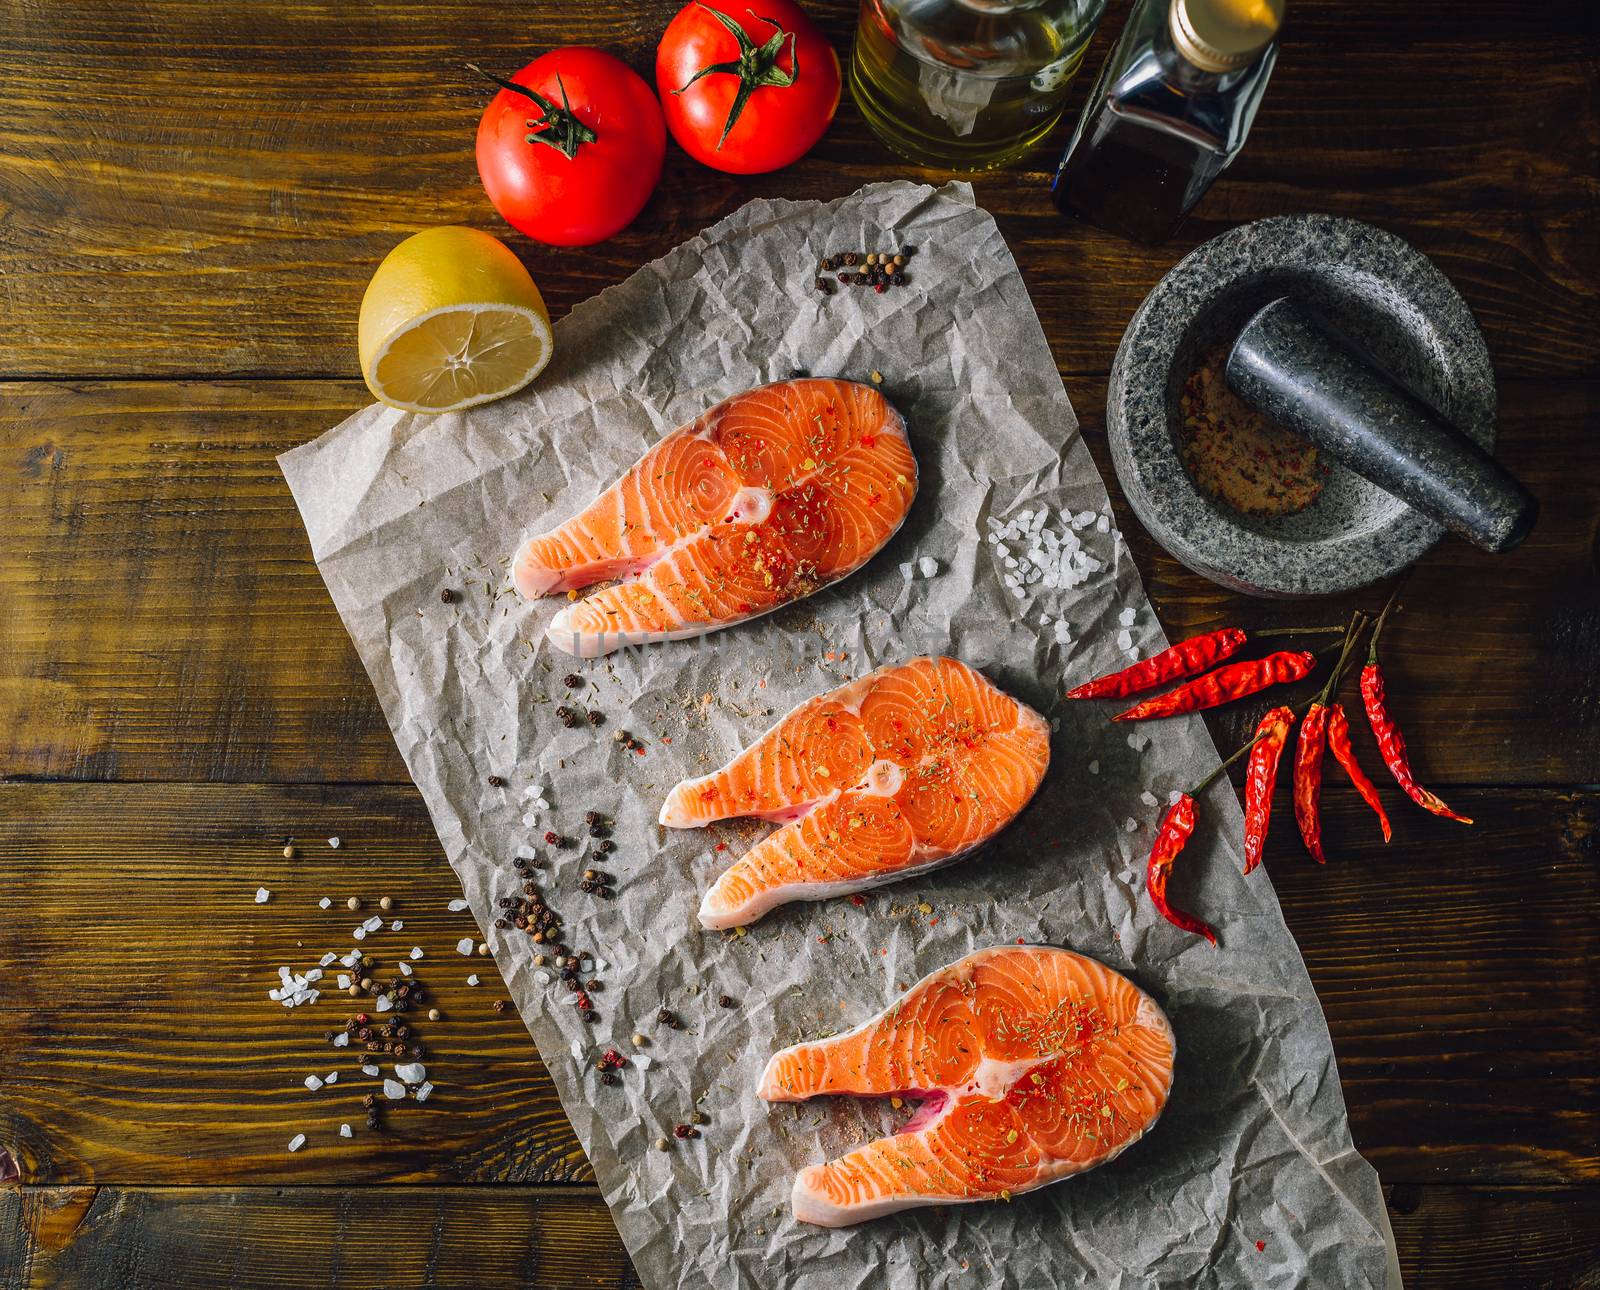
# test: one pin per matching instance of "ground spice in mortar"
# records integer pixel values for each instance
(1237, 455)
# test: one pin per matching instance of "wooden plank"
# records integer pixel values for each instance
(1453, 1238)
(166, 621)
(544, 1238)
(134, 966)
(214, 206)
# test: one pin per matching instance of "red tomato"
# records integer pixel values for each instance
(577, 163)
(743, 93)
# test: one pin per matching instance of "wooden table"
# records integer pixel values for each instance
(191, 199)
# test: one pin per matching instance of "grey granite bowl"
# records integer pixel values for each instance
(1378, 291)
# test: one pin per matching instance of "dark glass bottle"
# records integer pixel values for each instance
(1170, 110)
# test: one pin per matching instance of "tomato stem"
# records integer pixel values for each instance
(558, 128)
(756, 67)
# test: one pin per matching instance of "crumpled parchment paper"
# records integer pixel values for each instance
(1254, 1146)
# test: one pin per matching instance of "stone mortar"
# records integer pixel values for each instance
(1378, 291)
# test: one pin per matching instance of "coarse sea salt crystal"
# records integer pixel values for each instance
(382, 1003)
(423, 1089)
(411, 1072)
(327, 959)
(360, 933)
(1149, 798)
(345, 1131)
(1126, 617)
(344, 980)
(393, 1089)
(396, 925)
(1094, 766)
(369, 1069)
(1131, 824)
(333, 1078)
(373, 924)
(405, 968)
(296, 1142)
(542, 977)
(262, 895)
(416, 951)
(1124, 640)
(341, 1040)
(600, 965)
(334, 843)
(314, 975)
(325, 903)
(1103, 524)
(472, 979)
(313, 1083)
(457, 905)
(928, 566)
(530, 819)
(905, 570)
(1172, 797)
(463, 946)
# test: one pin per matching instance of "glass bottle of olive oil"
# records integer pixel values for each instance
(967, 84)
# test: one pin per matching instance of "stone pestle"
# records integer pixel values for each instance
(1289, 366)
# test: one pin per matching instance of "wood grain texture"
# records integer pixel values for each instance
(166, 621)
(549, 1238)
(192, 190)
(541, 1238)
(1459, 991)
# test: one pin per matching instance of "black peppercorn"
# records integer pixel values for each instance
(666, 1018)
(447, 596)
(496, 782)
(726, 1001)
(593, 985)
(606, 847)
(596, 717)
(572, 680)
(606, 1077)
(589, 1014)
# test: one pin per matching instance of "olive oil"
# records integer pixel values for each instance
(967, 84)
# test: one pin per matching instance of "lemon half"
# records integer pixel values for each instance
(451, 319)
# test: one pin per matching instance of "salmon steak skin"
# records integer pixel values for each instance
(767, 497)
(912, 766)
(1030, 1063)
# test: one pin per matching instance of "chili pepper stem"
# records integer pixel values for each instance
(1302, 631)
(1211, 778)
(1372, 645)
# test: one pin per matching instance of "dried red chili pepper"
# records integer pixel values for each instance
(1261, 776)
(1391, 743)
(1308, 751)
(1308, 779)
(1186, 658)
(1229, 682)
(1344, 754)
(1177, 826)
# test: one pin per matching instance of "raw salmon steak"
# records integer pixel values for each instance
(909, 767)
(1031, 1064)
(764, 499)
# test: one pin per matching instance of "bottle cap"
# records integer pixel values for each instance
(1224, 35)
